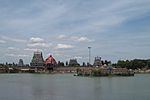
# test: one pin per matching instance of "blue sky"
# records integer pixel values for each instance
(115, 29)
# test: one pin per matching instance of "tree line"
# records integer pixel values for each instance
(133, 64)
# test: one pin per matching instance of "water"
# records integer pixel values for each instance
(69, 87)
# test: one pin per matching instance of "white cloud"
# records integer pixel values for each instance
(78, 57)
(2, 41)
(17, 55)
(12, 48)
(80, 39)
(38, 43)
(13, 39)
(58, 53)
(64, 46)
(61, 36)
(74, 38)
(31, 49)
(22, 55)
(84, 39)
(36, 40)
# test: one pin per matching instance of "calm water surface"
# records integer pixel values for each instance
(69, 87)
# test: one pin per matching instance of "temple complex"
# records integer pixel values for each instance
(37, 60)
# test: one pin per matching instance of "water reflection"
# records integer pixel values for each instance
(68, 87)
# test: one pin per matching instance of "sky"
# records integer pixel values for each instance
(115, 29)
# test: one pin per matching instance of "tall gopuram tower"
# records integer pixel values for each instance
(20, 63)
(97, 62)
(37, 60)
(73, 62)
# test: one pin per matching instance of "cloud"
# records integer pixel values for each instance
(84, 39)
(61, 36)
(64, 46)
(75, 38)
(13, 39)
(31, 49)
(58, 52)
(38, 43)
(81, 39)
(2, 41)
(12, 48)
(77, 57)
(16, 55)
(36, 40)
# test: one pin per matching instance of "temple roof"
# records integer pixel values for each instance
(50, 60)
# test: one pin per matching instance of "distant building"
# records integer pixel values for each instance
(37, 60)
(50, 61)
(20, 63)
(97, 61)
(73, 62)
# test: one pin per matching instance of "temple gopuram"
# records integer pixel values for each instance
(37, 60)
(50, 61)
(20, 63)
(97, 62)
(73, 62)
